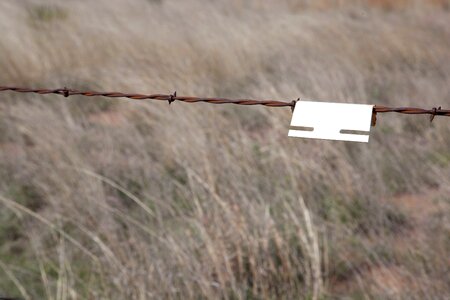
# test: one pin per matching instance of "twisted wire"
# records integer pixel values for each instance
(174, 97)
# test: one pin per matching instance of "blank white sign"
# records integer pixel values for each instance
(327, 120)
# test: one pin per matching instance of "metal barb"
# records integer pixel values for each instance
(66, 92)
(172, 97)
(434, 112)
(293, 104)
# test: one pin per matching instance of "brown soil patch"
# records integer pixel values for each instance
(108, 118)
(389, 280)
(11, 150)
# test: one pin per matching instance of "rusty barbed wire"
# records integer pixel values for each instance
(174, 97)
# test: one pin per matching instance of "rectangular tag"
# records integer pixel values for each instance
(331, 121)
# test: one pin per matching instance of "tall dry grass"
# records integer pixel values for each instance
(119, 199)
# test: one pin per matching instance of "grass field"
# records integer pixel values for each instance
(120, 199)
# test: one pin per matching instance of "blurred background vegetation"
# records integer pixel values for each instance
(121, 199)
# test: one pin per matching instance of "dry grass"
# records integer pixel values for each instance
(117, 199)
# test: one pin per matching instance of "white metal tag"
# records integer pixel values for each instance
(331, 121)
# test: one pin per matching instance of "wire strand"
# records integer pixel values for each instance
(173, 97)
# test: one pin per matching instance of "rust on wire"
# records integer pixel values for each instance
(374, 117)
(169, 98)
(172, 97)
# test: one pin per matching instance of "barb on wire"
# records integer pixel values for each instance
(172, 97)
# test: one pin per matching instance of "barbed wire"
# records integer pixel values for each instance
(66, 92)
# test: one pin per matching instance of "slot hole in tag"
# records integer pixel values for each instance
(303, 128)
(349, 131)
